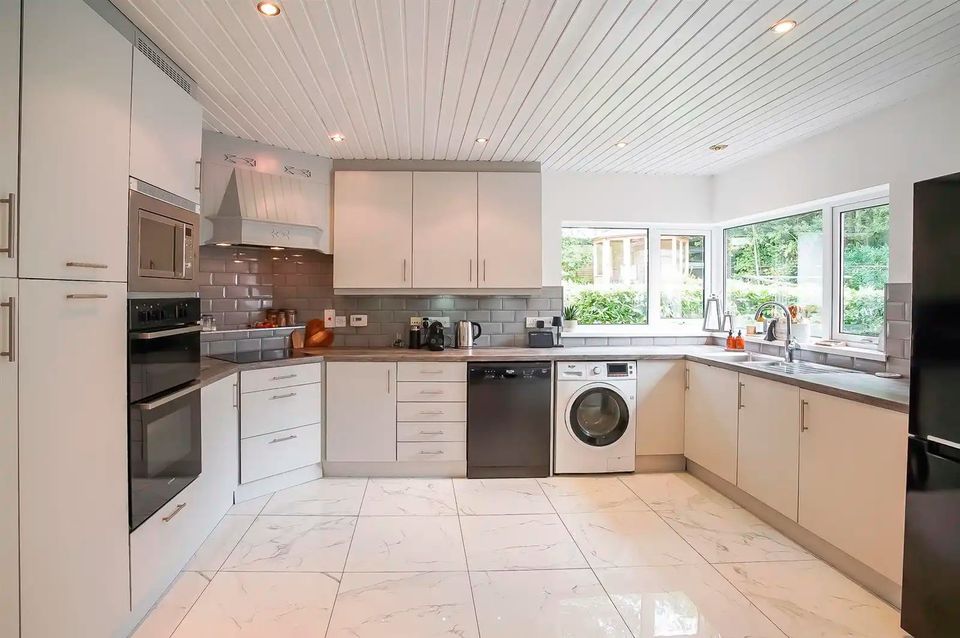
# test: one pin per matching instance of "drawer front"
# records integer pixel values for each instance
(270, 454)
(422, 411)
(427, 371)
(281, 377)
(431, 391)
(440, 451)
(281, 409)
(431, 431)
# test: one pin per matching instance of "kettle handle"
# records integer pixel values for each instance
(476, 326)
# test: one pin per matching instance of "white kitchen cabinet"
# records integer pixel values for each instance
(660, 407)
(769, 443)
(166, 129)
(361, 411)
(75, 144)
(74, 525)
(373, 229)
(9, 143)
(444, 230)
(220, 415)
(9, 493)
(279, 452)
(508, 230)
(710, 431)
(852, 489)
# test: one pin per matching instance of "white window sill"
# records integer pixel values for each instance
(637, 331)
(868, 354)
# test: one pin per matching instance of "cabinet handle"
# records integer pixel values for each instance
(430, 432)
(484, 269)
(283, 376)
(77, 295)
(404, 268)
(431, 391)
(236, 395)
(740, 387)
(283, 396)
(167, 519)
(430, 412)
(470, 271)
(431, 452)
(84, 264)
(11, 353)
(282, 439)
(803, 415)
(11, 201)
(431, 372)
(388, 380)
(199, 173)
(686, 378)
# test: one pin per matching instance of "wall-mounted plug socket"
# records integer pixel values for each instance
(358, 321)
(329, 318)
(340, 322)
(444, 321)
(416, 321)
(532, 321)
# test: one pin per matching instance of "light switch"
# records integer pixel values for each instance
(340, 322)
(358, 321)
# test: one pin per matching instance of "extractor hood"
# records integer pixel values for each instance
(264, 209)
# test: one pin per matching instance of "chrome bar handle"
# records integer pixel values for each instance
(470, 271)
(236, 395)
(283, 396)
(167, 519)
(173, 396)
(78, 295)
(404, 269)
(283, 438)
(430, 432)
(431, 391)
(85, 264)
(283, 376)
(11, 353)
(388, 380)
(199, 175)
(431, 452)
(484, 269)
(686, 378)
(11, 201)
(141, 336)
(740, 387)
(803, 415)
(430, 412)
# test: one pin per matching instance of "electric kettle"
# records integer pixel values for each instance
(466, 334)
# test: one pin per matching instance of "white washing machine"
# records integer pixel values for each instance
(595, 417)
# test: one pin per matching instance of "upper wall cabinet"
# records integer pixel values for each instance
(166, 130)
(9, 120)
(75, 144)
(373, 229)
(508, 230)
(444, 230)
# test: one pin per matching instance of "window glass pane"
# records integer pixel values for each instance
(865, 257)
(681, 277)
(604, 273)
(777, 260)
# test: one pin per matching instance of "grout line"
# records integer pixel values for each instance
(466, 562)
(356, 524)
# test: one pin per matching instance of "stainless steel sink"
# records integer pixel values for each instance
(796, 367)
(742, 357)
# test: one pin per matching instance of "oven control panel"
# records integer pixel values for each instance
(145, 314)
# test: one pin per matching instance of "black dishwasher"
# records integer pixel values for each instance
(508, 419)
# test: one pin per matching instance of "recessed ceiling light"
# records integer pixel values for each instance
(783, 26)
(718, 147)
(269, 8)
(337, 137)
(223, 243)
(621, 144)
(481, 140)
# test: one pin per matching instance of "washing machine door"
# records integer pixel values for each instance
(598, 415)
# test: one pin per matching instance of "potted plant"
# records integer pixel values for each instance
(569, 318)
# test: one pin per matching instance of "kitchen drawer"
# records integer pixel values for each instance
(281, 377)
(270, 454)
(427, 371)
(426, 451)
(423, 411)
(280, 409)
(438, 431)
(431, 391)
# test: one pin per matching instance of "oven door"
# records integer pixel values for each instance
(165, 454)
(163, 359)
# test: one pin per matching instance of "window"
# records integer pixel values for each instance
(604, 272)
(863, 254)
(682, 276)
(777, 260)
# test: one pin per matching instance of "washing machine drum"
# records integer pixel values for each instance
(598, 416)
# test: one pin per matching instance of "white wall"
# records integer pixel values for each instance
(905, 143)
(616, 197)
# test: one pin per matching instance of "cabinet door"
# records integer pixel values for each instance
(75, 144)
(508, 230)
(769, 443)
(220, 414)
(166, 128)
(853, 464)
(660, 407)
(710, 431)
(373, 229)
(9, 124)
(74, 525)
(361, 411)
(9, 494)
(444, 230)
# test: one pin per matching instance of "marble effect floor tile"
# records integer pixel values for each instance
(173, 606)
(574, 494)
(683, 600)
(399, 605)
(810, 598)
(733, 536)
(250, 508)
(220, 543)
(677, 491)
(545, 604)
(406, 497)
(628, 539)
(262, 605)
(501, 496)
(293, 543)
(323, 497)
(406, 544)
(519, 541)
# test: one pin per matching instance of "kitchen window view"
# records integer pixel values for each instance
(682, 277)
(864, 269)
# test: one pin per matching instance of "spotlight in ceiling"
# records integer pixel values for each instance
(337, 137)
(783, 26)
(481, 140)
(269, 9)
(718, 147)
(621, 144)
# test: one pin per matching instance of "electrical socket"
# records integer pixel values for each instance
(358, 321)
(329, 318)
(340, 322)
(532, 321)
(444, 321)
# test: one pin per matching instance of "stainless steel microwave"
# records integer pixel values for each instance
(163, 249)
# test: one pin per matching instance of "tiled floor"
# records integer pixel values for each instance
(642, 556)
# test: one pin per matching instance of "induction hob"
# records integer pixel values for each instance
(257, 356)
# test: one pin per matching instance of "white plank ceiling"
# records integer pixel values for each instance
(554, 81)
